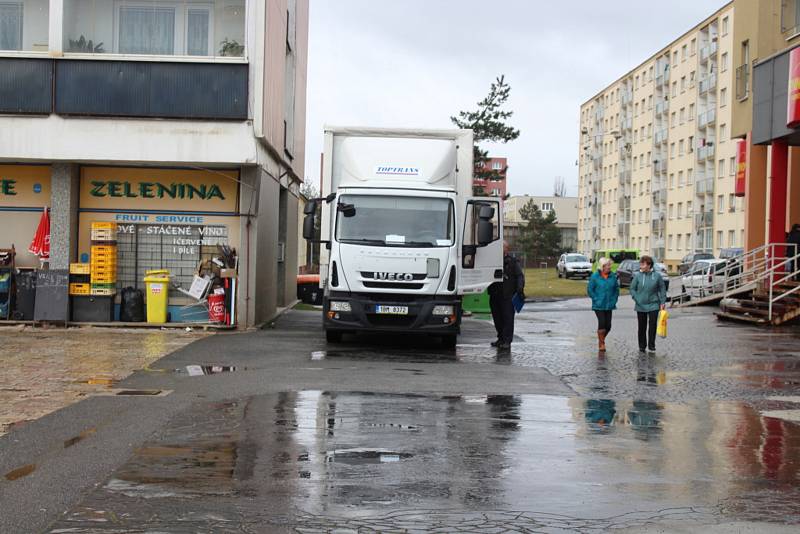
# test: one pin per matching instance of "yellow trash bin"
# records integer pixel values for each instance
(157, 285)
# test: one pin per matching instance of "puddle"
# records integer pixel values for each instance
(200, 370)
(140, 392)
(20, 472)
(365, 456)
(80, 437)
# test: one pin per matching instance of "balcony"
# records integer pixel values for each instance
(705, 152)
(627, 97)
(709, 83)
(660, 136)
(742, 81)
(659, 167)
(662, 79)
(704, 187)
(623, 229)
(707, 51)
(624, 202)
(627, 124)
(625, 177)
(657, 226)
(660, 196)
(662, 107)
(707, 118)
(704, 219)
(214, 28)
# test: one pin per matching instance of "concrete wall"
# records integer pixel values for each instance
(64, 214)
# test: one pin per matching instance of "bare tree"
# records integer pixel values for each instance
(559, 187)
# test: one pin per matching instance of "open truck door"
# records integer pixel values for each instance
(482, 246)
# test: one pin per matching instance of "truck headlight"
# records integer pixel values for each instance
(340, 306)
(443, 310)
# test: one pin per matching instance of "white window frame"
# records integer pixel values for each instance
(180, 36)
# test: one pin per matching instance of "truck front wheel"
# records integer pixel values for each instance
(333, 336)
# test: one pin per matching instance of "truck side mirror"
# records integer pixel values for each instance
(310, 208)
(309, 222)
(485, 230)
(486, 212)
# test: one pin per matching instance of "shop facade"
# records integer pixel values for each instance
(188, 149)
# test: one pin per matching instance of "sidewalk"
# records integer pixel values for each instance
(44, 370)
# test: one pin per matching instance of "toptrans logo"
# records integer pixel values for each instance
(386, 170)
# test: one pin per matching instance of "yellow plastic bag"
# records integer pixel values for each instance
(663, 315)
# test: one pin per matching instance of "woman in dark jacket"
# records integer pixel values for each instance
(650, 295)
(603, 287)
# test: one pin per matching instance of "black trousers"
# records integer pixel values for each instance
(603, 320)
(503, 316)
(648, 322)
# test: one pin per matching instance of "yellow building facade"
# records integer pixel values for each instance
(656, 159)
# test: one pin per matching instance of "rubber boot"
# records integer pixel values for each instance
(601, 340)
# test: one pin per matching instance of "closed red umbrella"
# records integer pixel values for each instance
(40, 246)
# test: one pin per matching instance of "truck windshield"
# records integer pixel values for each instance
(396, 221)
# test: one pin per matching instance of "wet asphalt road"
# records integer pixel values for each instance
(394, 434)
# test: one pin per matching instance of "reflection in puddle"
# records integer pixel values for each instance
(327, 454)
(200, 370)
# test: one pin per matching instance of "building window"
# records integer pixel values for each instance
(683, 84)
(693, 46)
(690, 175)
(547, 206)
(721, 204)
(721, 173)
(691, 112)
(723, 133)
(690, 146)
(675, 58)
(720, 239)
(723, 97)
(680, 210)
(681, 151)
(683, 53)
(731, 202)
(723, 62)
(678, 243)
(731, 238)
(732, 166)
(683, 115)
(790, 16)
(680, 178)
(725, 23)
(743, 73)
(11, 26)
(496, 166)
(206, 28)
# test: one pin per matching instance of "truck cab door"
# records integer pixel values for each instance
(481, 261)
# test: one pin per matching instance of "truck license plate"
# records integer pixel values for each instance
(392, 310)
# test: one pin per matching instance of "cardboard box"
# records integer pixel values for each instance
(227, 273)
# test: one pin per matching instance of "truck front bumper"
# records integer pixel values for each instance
(363, 314)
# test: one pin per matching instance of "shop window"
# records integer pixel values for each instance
(179, 249)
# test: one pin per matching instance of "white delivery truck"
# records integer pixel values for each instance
(403, 238)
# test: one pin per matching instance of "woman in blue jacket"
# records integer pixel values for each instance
(604, 289)
(650, 295)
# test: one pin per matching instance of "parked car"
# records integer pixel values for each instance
(573, 265)
(628, 268)
(689, 259)
(727, 253)
(617, 256)
(704, 277)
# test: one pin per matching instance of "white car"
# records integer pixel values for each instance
(573, 265)
(704, 277)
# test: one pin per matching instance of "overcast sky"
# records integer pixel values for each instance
(414, 63)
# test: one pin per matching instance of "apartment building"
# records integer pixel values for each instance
(657, 164)
(493, 187)
(565, 208)
(183, 121)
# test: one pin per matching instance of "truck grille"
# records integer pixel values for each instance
(392, 285)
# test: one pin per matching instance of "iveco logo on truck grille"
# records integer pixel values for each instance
(393, 276)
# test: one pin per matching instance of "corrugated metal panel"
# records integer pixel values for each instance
(26, 85)
(151, 89)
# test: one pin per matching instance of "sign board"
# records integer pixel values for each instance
(52, 299)
(177, 190)
(793, 97)
(25, 186)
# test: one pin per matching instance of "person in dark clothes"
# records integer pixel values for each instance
(603, 288)
(650, 295)
(500, 299)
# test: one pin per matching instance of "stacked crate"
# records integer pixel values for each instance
(79, 279)
(103, 258)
